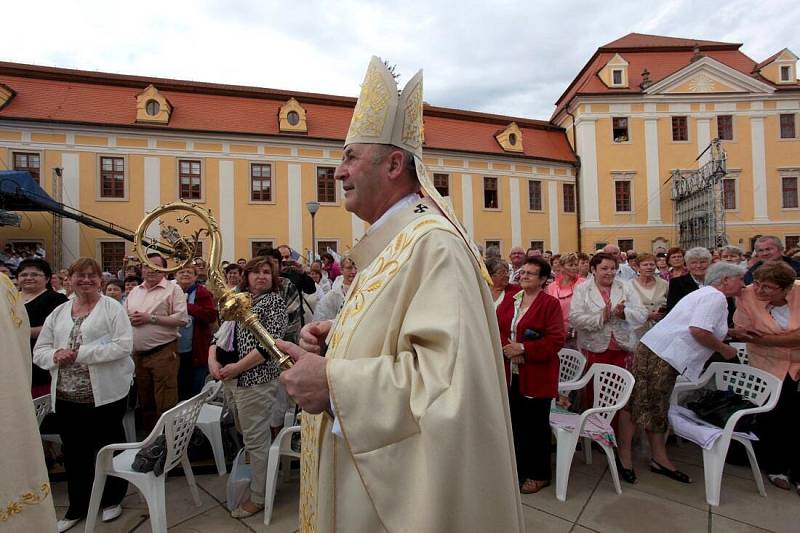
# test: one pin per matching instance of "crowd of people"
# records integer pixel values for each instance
(659, 315)
(91, 332)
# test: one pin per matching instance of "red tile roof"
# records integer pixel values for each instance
(49, 94)
(661, 56)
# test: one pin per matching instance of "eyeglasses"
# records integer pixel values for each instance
(528, 273)
(30, 275)
(766, 288)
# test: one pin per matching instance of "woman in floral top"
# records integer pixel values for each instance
(251, 381)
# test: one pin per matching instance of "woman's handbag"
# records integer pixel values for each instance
(717, 406)
(151, 458)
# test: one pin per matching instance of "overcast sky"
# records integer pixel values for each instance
(512, 58)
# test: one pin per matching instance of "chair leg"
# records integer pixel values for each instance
(587, 450)
(612, 467)
(713, 464)
(94, 501)
(129, 423)
(187, 472)
(751, 455)
(565, 450)
(272, 480)
(215, 438)
(154, 494)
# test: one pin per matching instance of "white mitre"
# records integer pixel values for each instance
(383, 115)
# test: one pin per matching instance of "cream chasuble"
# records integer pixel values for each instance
(417, 383)
(25, 501)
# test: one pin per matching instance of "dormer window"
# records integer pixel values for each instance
(616, 76)
(6, 94)
(152, 107)
(615, 72)
(510, 139)
(292, 117)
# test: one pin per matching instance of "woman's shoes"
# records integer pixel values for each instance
(677, 475)
(112, 513)
(532, 486)
(65, 524)
(241, 512)
(780, 480)
(627, 475)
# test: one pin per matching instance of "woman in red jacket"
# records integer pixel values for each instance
(532, 333)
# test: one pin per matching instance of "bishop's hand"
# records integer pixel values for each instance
(306, 381)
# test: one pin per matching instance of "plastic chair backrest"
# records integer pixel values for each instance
(741, 352)
(178, 427)
(612, 386)
(42, 407)
(572, 363)
(215, 388)
(746, 381)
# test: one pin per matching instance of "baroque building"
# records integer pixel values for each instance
(644, 106)
(117, 146)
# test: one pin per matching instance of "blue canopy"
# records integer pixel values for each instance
(19, 192)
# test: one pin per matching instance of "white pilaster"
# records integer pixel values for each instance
(358, 227)
(587, 150)
(70, 194)
(652, 166)
(759, 168)
(703, 140)
(152, 189)
(516, 221)
(552, 213)
(466, 204)
(296, 208)
(227, 223)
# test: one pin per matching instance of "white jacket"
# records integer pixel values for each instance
(107, 342)
(586, 316)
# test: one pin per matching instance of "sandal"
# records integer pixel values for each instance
(241, 512)
(780, 480)
(627, 475)
(677, 475)
(532, 486)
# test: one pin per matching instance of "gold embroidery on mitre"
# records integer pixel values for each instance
(412, 123)
(369, 116)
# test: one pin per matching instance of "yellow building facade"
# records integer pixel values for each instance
(644, 106)
(256, 183)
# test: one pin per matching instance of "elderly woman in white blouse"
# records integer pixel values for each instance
(680, 344)
(86, 345)
(332, 302)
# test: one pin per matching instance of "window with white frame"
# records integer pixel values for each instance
(789, 192)
(538, 245)
(617, 76)
(442, 183)
(792, 241)
(680, 129)
(729, 193)
(112, 256)
(259, 245)
(787, 126)
(625, 245)
(491, 198)
(622, 196)
(568, 193)
(725, 127)
(786, 73)
(534, 195)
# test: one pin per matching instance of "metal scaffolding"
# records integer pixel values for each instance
(698, 201)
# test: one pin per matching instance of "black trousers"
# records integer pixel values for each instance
(779, 434)
(84, 429)
(530, 423)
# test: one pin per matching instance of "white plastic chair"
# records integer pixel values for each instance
(177, 425)
(741, 352)
(761, 388)
(281, 448)
(42, 407)
(209, 422)
(572, 364)
(612, 388)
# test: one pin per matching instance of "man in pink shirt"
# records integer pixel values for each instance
(157, 308)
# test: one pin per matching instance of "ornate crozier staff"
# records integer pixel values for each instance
(181, 250)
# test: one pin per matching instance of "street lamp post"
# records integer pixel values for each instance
(313, 207)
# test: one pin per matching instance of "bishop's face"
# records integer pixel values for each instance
(362, 179)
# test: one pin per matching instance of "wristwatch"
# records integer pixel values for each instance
(153, 319)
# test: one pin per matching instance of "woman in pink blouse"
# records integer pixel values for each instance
(561, 289)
